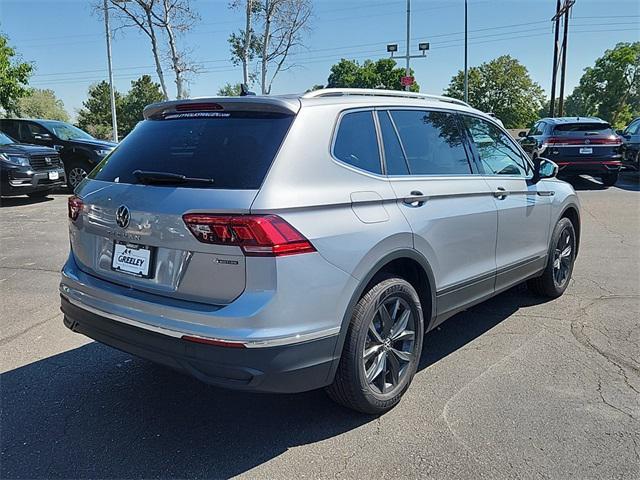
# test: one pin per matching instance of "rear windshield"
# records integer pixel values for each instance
(569, 129)
(234, 149)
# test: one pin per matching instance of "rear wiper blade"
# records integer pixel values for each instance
(148, 177)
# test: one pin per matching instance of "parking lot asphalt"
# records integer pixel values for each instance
(514, 388)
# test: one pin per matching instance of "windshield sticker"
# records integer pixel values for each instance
(196, 115)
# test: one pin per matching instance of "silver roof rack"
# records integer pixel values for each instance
(338, 92)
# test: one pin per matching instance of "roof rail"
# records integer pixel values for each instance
(338, 92)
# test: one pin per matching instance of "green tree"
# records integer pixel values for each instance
(611, 88)
(503, 87)
(95, 115)
(143, 92)
(229, 90)
(42, 104)
(383, 74)
(14, 77)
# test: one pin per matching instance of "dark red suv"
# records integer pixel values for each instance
(577, 145)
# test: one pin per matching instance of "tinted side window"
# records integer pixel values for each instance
(356, 142)
(393, 154)
(432, 142)
(498, 153)
(10, 128)
(633, 128)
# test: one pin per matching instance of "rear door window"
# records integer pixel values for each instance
(432, 142)
(393, 153)
(356, 142)
(234, 149)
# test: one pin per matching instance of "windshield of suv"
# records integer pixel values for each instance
(64, 131)
(6, 139)
(230, 150)
(575, 129)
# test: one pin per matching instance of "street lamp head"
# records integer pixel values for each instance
(423, 46)
(392, 47)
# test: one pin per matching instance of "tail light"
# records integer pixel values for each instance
(612, 140)
(74, 207)
(257, 235)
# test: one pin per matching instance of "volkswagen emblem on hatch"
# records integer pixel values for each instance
(122, 216)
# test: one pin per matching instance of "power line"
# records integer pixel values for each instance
(361, 54)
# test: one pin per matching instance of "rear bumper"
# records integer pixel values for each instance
(281, 369)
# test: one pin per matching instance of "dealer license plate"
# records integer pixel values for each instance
(586, 150)
(131, 259)
(53, 176)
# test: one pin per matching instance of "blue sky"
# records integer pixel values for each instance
(66, 41)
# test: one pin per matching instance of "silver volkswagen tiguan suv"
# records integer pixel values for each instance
(288, 243)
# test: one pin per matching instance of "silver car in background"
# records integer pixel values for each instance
(288, 243)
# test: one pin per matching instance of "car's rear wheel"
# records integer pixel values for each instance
(609, 179)
(557, 274)
(382, 348)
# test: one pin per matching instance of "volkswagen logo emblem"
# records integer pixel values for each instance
(47, 160)
(587, 141)
(122, 216)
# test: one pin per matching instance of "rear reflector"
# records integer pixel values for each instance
(213, 341)
(257, 235)
(74, 207)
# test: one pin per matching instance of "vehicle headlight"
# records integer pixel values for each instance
(19, 160)
(104, 153)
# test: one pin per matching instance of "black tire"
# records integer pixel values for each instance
(610, 179)
(39, 194)
(76, 170)
(548, 284)
(351, 388)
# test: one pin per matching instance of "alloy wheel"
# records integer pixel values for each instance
(390, 345)
(76, 175)
(563, 258)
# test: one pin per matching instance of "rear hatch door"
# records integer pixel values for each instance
(584, 142)
(131, 230)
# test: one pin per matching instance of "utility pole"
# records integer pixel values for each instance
(565, 38)
(466, 72)
(560, 55)
(114, 120)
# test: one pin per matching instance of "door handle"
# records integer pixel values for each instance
(415, 199)
(500, 193)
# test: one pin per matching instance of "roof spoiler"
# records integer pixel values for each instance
(287, 106)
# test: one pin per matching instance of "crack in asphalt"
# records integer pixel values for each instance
(6, 340)
(31, 269)
(604, 400)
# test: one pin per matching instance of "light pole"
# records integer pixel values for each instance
(392, 48)
(114, 120)
(466, 72)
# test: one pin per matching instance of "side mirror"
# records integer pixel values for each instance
(620, 132)
(42, 136)
(544, 168)
(522, 134)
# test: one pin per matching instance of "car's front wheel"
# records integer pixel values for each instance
(562, 254)
(382, 348)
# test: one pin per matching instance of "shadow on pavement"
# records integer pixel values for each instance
(627, 181)
(94, 412)
(6, 202)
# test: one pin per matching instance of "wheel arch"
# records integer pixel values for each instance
(406, 263)
(572, 212)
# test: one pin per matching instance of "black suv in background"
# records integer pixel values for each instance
(80, 151)
(28, 169)
(577, 145)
